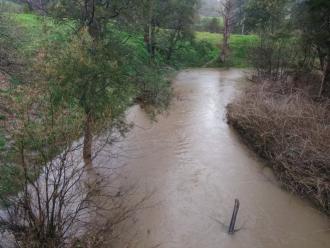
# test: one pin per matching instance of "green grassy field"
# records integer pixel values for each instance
(42, 29)
(239, 46)
(204, 21)
(36, 31)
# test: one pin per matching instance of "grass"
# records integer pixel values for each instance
(37, 31)
(40, 30)
(239, 46)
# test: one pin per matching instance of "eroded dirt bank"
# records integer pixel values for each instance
(195, 166)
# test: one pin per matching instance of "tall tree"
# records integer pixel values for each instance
(88, 72)
(228, 14)
(313, 19)
(179, 22)
(265, 16)
(240, 16)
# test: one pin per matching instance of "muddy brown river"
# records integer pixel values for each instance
(194, 166)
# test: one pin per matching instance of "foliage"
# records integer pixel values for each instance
(209, 24)
(266, 16)
(294, 37)
(274, 55)
(90, 75)
(239, 44)
(312, 19)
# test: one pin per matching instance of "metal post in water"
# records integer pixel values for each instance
(234, 217)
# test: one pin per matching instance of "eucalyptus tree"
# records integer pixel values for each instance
(178, 22)
(93, 14)
(165, 22)
(240, 16)
(265, 16)
(228, 14)
(89, 71)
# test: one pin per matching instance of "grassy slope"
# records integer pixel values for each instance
(239, 45)
(38, 30)
(44, 29)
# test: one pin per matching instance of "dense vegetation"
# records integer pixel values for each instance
(68, 74)
(285, 116)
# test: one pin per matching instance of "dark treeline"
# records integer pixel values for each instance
(294, 37)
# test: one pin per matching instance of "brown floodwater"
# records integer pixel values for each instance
(193, 166)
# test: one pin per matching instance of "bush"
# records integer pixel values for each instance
(274, 56)
(8, 6)
(209, 24)
(154, 90)
(293, 132)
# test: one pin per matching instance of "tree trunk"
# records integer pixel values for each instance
(150, 33)
(322, 57)
(225, 48)
(325, 85)
(227, 14)
(243, 25)
(88, 141)
(173, 41)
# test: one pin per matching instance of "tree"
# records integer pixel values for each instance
(312, 18)
(213, 25)
(91, 75)
(276, 53)
(227, 12)
(58, 195)
(164, 23)
(148, 10)
(179, 22)
(89, 71)
(263, 16)
(292, 34)
(92, 14)
(149, 16)
(240, 16)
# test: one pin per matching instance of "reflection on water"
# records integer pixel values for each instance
(196, 166)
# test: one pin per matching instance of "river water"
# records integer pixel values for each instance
(193, 166)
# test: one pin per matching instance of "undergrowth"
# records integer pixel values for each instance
(291, 131)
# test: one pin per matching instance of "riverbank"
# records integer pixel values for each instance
(292, 132)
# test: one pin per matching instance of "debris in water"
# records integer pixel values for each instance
(233, 218)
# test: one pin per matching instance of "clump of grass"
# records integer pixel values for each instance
(291, 131)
